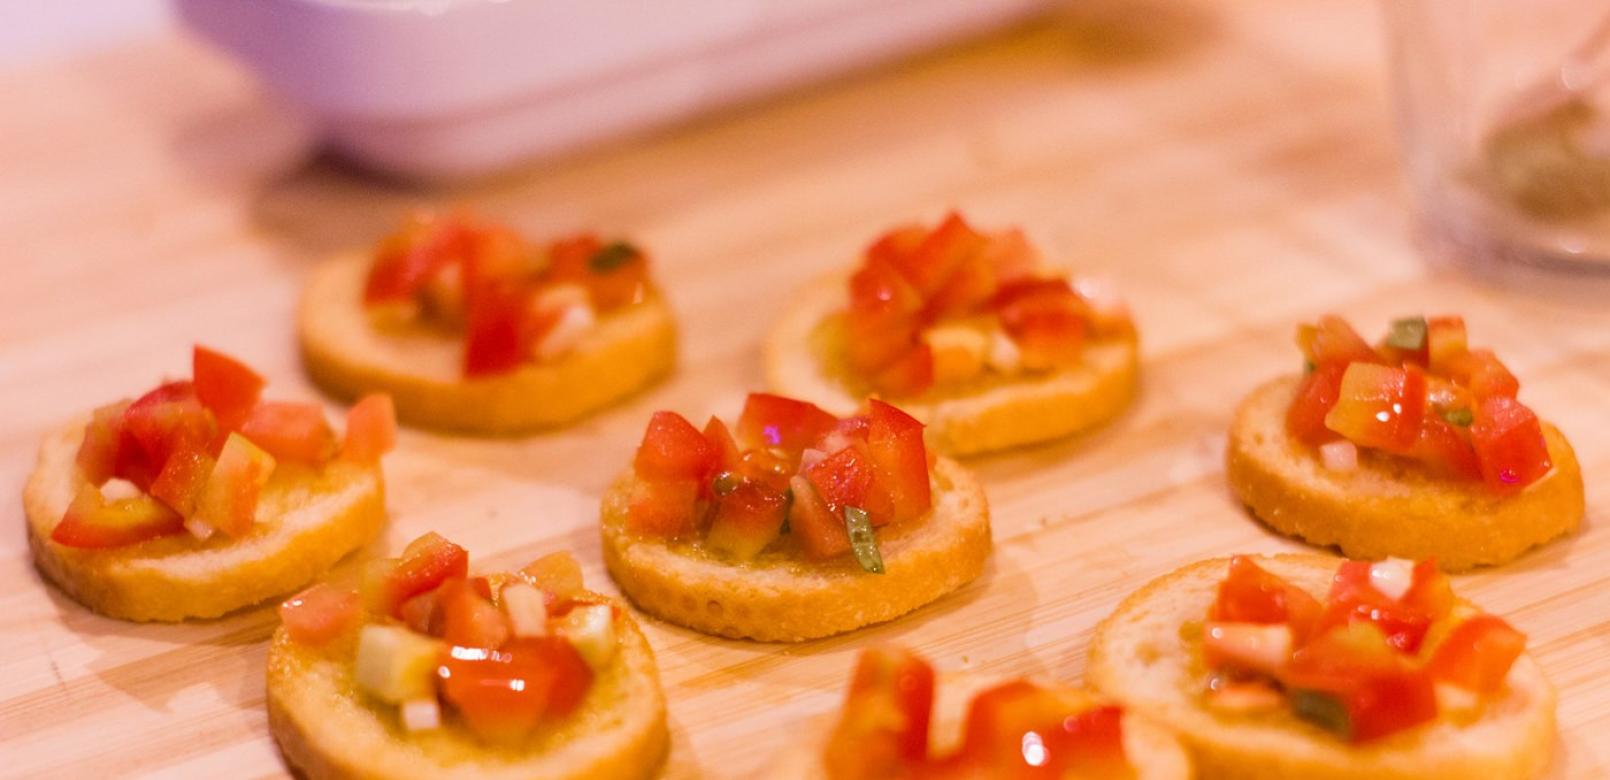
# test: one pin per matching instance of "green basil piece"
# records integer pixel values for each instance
(611, 257)
(1460, 417)
(1407, 333)
(1322, 710)
(863, 542)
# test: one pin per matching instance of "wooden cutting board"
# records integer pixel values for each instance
(1230, 165)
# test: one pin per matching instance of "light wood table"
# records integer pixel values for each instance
(1230, 164)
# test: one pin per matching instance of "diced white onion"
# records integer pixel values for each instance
(591, 629)
(811, 457)
(1392, 577)
(1339, 455)
(199, 528)
(572, 326)
(421, 714)
(118, 489)
(1253, 646)
(527, 610)
(1003, 355)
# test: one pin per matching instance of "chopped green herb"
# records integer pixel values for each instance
(612, 256)
(1407, 333)
(1309, 367)
(1460, 417)
(1322, 710)
(863, 542)
(724, 483)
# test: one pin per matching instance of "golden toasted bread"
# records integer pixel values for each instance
(422, 368)
(327, 728)
(778, 598)
(306, 521)
(803, 360)
(1139, 658)
(1154, 753)
(1389, 506)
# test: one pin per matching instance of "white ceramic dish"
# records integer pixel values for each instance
(453, 88)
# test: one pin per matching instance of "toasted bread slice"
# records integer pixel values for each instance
(327, 728)
(306, 521)
(777, 598)
(802, 361)
(1154, 753)
(1139, 658)
(1389, 506)
(422, 369)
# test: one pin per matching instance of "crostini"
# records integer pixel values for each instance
(199, 498)
(422, 671)
(899, 723)
(792, 525)
(470, 327)
(1416, 448)
(967, 331)
(1315, 667)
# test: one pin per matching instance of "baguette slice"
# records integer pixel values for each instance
(422, 369)
(777, 598)
(1155, 753)
(801, 362)
(327, 728)
(1389, 507)
(306, 521)
(1139, 658)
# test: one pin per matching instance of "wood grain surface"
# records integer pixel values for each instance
(1231, 165)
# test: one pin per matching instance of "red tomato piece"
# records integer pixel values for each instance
(294, 432)
(970, 287)
(1382, 691)
(1010, 256)
(371, 429)
(182, 480)
(1429, 591)
(1316, 394)
(225, 385)
(468, 617)
(665, 508)
(882, 322)
(1045, 318)
(821, 533)
(1485, 375)
(767, 468)
(1332, 340)
(1251, 594)
(883, 725)
(93, 522)
(672, 449)
(576, 259)
(746, 520)
(932, 263)
(1354, 599)
(1445, 450)
(879, 287)
(894, 442)
(1478, 654)
(1509, 443)
(784, 423)
(895, 246)
(848, 478)
(1379, 406)
(163, 421)
(728, 456)
(1018, 729)
(228, 501)
(103, 437)
(1446, 341)
(412, 255)
(503, 694)
(908, 375)
(425, 564)
(498, 337)
(321, 613)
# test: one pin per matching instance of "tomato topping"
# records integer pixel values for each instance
(1354, 599)
(774, 421)
(822, 533)
(425, 564)
(883, 324)
(883, 724)
(321, 613)
(1446, 341)
(159, 423)
(1251, 594)
(894, 442)
(1429, 591)
(672, 449)
(503, 694)
(845, 479)
(295, 432)
(1379, 406)
(103, 439)
(557, 574)
(1018, 729)
(665, 508)
(93, 522)
(228, 501)
(932, 263)
(1509, 442)
(1446, 450)
(225, 385)
(468, 617)
(371, 429)
(182, 480)
(1046, 319)
(727, 455)
(971, 285)
(614, 274)
(1332, 340)
(1485, 375)
(1478, 654)
(405, 260)
(1010, 256)
(497, 337)
(1316, 394)
(746, 520)
(1378, 688)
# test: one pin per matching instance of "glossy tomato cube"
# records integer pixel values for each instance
(747, 520)
(784, 423)
(1509, 443)
(321, 613)
(93, 522)
(821, 532)
(1445, 449)
(293, 432)
(1477, 654)
(97, 457)
(424, 565)
(909, 374)
(229, 500)
(225, 385)
(667, 509)
(182, 480)
(467, 617)
(371, 429)
(1251, 594)
(1382, 690)
(1332, 340)
(1379, 406)
(1353, 598)
(1018, 728)
(1446, 341)
(883, 725)
(165, 420)
(504, 694)
(498, 336)
(672, 449)
(934, 261)
(895, 444)
(1316, 395)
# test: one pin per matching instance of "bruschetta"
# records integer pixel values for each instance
(470, 327)
(901, 722)
(969, 332)
(1416, 448)
(794, 524)
(1316, 667)
(423, 671)
(199, 498)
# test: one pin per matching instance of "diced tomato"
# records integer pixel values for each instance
(969, 287)
(665, 508)
(894, 442)
(1316, 394)
(503, 694)
(321, 613)
(882, 322)
(1445, 450)
(1429, 591)
(672, 449)
(556, 574)
(228, 502)
(1509, 443)
(93, 522)
(1382, 691)
(1379, 406)
(407, 258)
(1250, 647)
(728, 456)
(883, 724)
(182, 480)
(103, 436)
(1004, 721)
(161, 422)
(774, 421)
(746, 520)
(1485, 375)
(225, 385)
(821, 533)
(295, 432)
(1045, 318)
(879, 287)
(419, 612)
(1332, 340)
(940, 254)
(1010, 255)
(613, 274)
(767, 468)
(848, 478)
(1446, 341)
(908, 375)
(896, 245)
(1478, 654)
(425, 564)
(1251, 594)
(1354, 599)
(497, 336)
(371, 429)
(468, 618)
